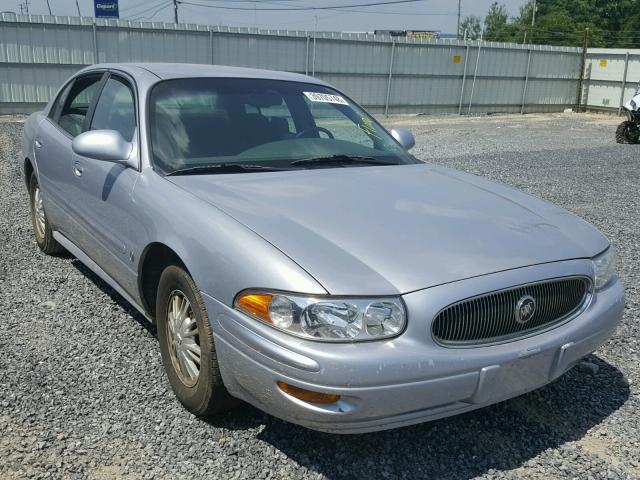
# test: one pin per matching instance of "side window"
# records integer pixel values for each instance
(77, 102)
(56, 108)
(326, 115)
(115, 109)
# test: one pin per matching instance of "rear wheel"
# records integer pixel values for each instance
(627, 132)
(41, 227)
(186, 345)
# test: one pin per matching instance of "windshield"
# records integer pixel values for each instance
(220, 122)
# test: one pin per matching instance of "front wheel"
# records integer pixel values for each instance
(186, 344)
(627, 132)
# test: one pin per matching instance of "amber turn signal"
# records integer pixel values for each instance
(256, 304)
(308, 395)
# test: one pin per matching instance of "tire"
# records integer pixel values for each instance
(205, 395)
(627, 132)
(41, 227)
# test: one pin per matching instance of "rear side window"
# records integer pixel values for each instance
(115, 109)
(77, 103)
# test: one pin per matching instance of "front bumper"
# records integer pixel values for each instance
(408, 379)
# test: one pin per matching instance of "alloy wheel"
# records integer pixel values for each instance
(38, 211)
(183, 338)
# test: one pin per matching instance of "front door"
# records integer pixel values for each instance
(103, 190)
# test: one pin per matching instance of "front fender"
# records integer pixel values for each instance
(222, 255)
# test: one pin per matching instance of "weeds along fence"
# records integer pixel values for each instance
(386, 75)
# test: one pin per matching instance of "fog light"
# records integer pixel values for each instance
(308, 395)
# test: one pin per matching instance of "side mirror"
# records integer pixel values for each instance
(107, 145)
(404, 137)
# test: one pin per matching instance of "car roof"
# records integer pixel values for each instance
(190, 70)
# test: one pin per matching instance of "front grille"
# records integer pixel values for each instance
(494, 317)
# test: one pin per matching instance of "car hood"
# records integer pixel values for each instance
(396, 229)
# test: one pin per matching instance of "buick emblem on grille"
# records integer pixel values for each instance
(525, 309)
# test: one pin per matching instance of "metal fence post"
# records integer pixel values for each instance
(211, 44)
(464, 76)
(386, 103)
(313, 61)
(526, 83)
(95, 42)
(475, 75)
(624, 81)
(306, 61)
(583, 63)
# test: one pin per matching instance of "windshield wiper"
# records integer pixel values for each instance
(224, 168)
(340, 160)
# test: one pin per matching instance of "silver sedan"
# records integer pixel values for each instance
(293, 253)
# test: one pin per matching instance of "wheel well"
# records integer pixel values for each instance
(155, 258)
(28, 170)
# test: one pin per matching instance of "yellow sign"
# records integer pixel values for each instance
(457, 58)
(433, 35)
(604, 63)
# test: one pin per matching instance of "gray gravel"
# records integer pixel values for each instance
(83, 394)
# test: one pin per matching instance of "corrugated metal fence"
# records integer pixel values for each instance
(611, 78)
(37, 53)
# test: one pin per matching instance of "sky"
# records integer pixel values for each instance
(420, 15)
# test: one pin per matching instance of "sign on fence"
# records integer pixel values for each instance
(106, 8)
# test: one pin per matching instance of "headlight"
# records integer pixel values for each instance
(326, 318)
(604, 267)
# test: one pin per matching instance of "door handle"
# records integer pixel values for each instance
(38, 143)
(77, 169)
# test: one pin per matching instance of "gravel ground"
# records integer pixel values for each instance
(83, 394)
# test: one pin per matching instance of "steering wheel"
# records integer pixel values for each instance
(307, 131)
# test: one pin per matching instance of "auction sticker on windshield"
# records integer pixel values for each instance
(325, 98)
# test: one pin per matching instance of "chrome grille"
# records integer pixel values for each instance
(492, 318)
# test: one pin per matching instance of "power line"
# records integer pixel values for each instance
(158, 9)
(144, 5)
(289, 9)
(410, 14)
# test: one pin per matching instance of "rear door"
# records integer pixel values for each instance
(102, 190)
(65, 121)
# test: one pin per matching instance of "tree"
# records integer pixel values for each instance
(471, 26)
(496, 23)
(611, 23)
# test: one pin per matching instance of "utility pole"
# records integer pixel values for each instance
(78, 8)
(49, 7)
(533, 15)
(175, 11)
(533, 21)
(585, 45)
(24, 7)
(459, 10)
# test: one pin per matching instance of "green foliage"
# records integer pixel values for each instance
(472, 27)
(496, 24)
(610, 23)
